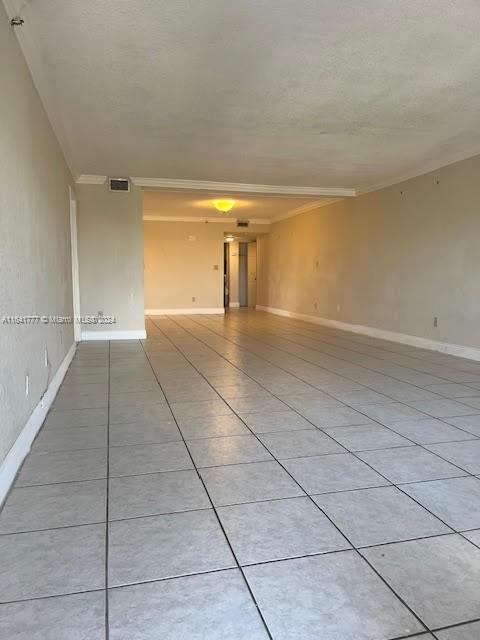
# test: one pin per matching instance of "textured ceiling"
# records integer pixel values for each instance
(182, 204)
(347, 93)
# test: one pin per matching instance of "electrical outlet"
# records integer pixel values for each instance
(27, 384)
(435, 321)
(215, 267)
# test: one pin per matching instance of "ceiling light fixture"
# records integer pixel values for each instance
(229, 238)
(224, 205)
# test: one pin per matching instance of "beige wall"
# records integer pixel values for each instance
(35, 270)
(393, 259)
(180, 261)
(110, 252)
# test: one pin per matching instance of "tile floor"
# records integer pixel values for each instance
(244, 478)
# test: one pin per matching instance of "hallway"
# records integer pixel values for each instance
(261, 477)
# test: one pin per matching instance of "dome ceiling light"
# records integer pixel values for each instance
(224, 205)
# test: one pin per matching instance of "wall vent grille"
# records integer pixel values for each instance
(119, 184)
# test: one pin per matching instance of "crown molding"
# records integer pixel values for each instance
(90, 179)
(240, 187)
(151, 217)
(305, 208)
(422, 170)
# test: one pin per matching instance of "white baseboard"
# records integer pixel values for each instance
(458, 350)
(184, 312)
(138, 334)
(21, 447)
(234, 305)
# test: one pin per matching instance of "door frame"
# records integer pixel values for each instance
(77, 327)
(251, 282)
(243, 274)
(226, 275)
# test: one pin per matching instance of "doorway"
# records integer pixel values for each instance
(252, 274)
(243, 274)
(247, 274)
(240, 271)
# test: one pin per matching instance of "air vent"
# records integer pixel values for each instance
(242, 223)
(119, 184)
